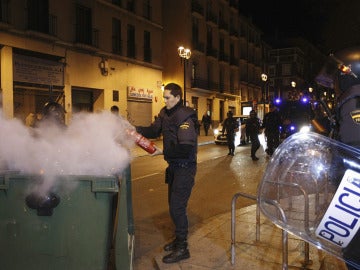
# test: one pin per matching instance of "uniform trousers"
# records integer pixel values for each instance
(180, 178)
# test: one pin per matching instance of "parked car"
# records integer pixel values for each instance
(219, 138)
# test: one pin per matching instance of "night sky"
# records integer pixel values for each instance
(329, 24)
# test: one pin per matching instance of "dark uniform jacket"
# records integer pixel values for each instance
(230, 125)
(272, 122)
(179, 129)
(253, 127)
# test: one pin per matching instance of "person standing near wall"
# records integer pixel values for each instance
(206, 122)
(178, 125)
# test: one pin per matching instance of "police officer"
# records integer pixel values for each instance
(178, 125)
(253, 130)
(272, 123)
(342, 72)
(230, 125)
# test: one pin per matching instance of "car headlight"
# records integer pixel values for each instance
(216, 131)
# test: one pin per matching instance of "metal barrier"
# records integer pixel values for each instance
(284, 233)
(233, 225)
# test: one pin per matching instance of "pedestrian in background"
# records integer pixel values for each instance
(206, 122)
(178, 125)
(271, 124)
(253, 130)
(231, 126)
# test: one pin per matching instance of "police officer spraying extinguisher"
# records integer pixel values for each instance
(178, 125)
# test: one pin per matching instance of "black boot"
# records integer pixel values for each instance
(180, 252)
(171, 246)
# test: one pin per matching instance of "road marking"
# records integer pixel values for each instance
(145, 176)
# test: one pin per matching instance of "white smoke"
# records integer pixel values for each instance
(93, 144)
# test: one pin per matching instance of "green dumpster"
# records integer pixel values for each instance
(85, 222)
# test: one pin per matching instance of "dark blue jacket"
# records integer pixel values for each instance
(179, 129)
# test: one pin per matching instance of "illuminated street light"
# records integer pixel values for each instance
(264, 92)
(264, 79)
(185, 55)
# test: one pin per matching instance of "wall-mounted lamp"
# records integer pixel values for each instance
(104, 67)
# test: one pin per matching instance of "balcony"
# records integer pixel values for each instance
(223, 57)
(234, 61)
(87, 37)
(200, 83)
(197, 8)
(234, 4)
(131, 50)
(116, 45)
(147, 55)
(223, 25)
(212, 52)
(198, 46)
(234, 32)
(211, 17)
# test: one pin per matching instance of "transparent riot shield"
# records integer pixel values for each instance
(311, 188)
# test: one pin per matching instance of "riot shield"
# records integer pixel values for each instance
(311, 188)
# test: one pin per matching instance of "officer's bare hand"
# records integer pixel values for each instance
(157, 152)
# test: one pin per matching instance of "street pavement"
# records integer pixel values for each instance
(210, 244)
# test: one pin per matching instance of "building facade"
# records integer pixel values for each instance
(292, 68)
(91, 55)
(87, 55)
(224, 70)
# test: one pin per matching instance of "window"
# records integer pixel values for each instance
(130, 41)
(115, 95)
(286, 69)
(222, 45)
(83, 25)
(272, 71)
(232, 79)
(117, 2)
(147, 47)
(221, 81)
(195, 30)
(130, 5)
(193, 71)
(116, 36)
(195, 103)
(147, 9)
(4, 11)
(82, 100)
(38, 15)
(209, 37)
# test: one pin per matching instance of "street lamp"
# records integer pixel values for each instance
(293, 94)
(184, 54)
(264, 79)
